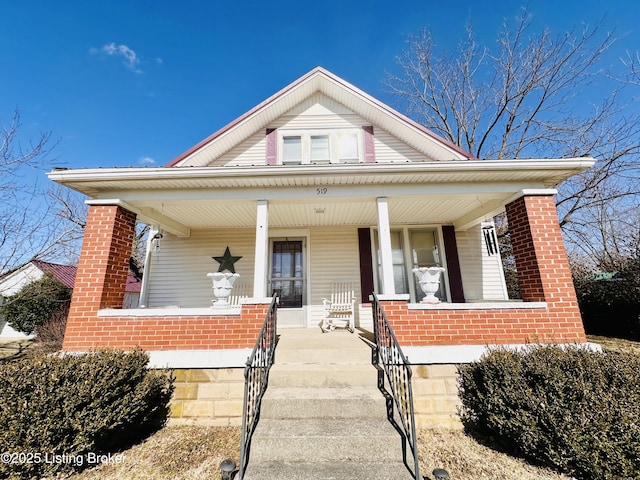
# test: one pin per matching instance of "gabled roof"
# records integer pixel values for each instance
(65, 274)
(319, 80)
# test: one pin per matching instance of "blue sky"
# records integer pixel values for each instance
(130, 83)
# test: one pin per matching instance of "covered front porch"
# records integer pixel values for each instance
(294, 231)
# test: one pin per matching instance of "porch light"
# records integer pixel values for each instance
(440, 474)
(155, 242)
(227, 467)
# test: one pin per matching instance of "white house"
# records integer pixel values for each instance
(322, 182)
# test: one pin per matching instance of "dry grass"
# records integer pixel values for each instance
(616, 344)
(174, 453)
(14, 349)
(466, 459)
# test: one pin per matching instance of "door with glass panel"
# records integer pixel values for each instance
(287, 272)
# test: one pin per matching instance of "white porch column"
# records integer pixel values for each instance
(262, 251)
(384, 237)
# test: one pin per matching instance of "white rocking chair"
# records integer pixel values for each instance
(238, 294)
(340, 306)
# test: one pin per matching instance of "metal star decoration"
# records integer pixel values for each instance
(226, 261)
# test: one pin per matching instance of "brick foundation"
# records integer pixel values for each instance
(544, 276)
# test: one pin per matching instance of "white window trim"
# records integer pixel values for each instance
(333, 134)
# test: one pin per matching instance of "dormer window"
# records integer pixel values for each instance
(320, 147)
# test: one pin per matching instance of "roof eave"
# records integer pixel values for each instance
(88, 181)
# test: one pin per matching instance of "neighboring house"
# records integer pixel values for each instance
(322, 182)
(12, 282)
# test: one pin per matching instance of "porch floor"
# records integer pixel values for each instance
(311, 346)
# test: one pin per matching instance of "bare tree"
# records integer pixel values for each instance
(534, 96)
(29, 227)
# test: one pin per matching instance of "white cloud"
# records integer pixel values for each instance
(131, 60)
(146, 161)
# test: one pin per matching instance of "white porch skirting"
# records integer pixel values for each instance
(227, 358)
(445, 354)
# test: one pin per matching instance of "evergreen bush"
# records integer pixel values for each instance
(571, 409)
(36, 303)
(57, 412)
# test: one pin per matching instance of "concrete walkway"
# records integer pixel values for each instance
(323, 416)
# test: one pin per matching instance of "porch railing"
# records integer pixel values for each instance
(256, 377)
(397, 369)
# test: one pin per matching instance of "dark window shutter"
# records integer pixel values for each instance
(272, 146)
(369, 147)
(453, 263)
(366, 264)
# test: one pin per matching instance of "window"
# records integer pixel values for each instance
(320, 149)
(292, 149)
(320, 146)
(411, 248)
(348, 148)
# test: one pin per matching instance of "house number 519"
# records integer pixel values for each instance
(321, 191)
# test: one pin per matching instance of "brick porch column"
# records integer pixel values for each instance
(102, 269)
(538, 247)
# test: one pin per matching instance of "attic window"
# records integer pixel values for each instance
(292, 150)
(348, 148)
(320, 146)
(319, 149)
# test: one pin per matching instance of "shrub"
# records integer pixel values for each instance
(610, 306)
(570, 409)
(51, 332)
(35, 303)
(75, 406)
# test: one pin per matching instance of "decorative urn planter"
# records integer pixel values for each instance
(429, 280)
(222, 286)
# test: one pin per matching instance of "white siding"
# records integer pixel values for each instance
(482, 277)
(178, 271)
(391, 150)
(333, 256)
(250, 152)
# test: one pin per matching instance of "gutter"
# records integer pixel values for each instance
(576, 165)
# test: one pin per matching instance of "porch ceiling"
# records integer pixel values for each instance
(440, 209)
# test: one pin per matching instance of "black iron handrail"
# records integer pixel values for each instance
(398, 372)
(256, 378)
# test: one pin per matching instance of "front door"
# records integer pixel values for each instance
(287, 272)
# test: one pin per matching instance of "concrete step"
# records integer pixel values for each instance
(325, 440)
(332, 470)
(311, 346)
(311, 375)
(323, 402)
(322, 416)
